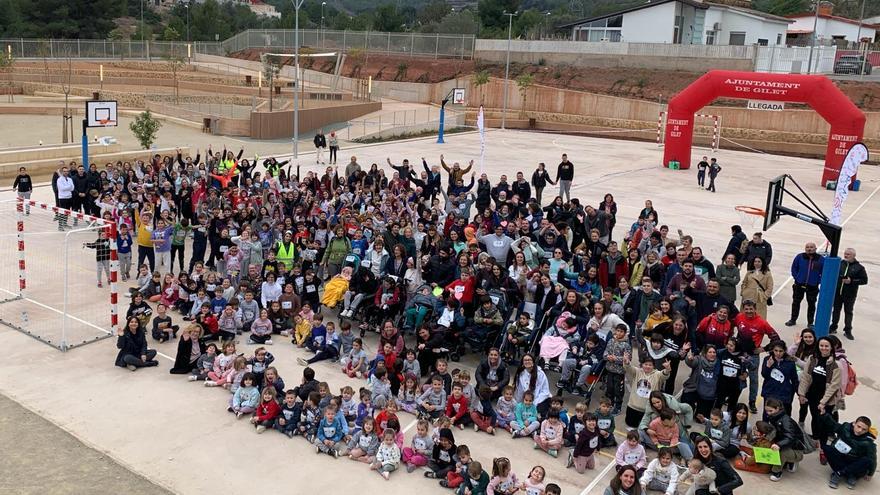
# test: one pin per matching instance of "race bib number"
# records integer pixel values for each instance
(777, 375)
(842, 447)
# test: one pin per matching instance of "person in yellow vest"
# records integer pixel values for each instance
(285, 250)
(144, 228)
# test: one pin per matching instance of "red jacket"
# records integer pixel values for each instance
(754, 328)
(394, 299)
(267, 411)
(451, 411)
(621, 270)
(714, 332)
(467, 289)
(381, 421)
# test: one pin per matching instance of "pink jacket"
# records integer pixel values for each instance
(626, 455)
(500, 486)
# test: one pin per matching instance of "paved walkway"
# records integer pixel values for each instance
(48, 460)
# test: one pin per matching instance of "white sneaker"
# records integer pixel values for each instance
(269, 342)
(192, 378)
(261, 428)
(285, 333)
(302, 362)
(131, 367)
(209, 383)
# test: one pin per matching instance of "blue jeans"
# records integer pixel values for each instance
(753, 378)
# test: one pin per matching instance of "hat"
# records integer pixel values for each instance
(447, 434)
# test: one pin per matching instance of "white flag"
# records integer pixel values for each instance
(857, 154)
(481, 125)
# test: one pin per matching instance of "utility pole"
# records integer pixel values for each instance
(507, 67)
(297, 4)
(187, 21)
(813, 38)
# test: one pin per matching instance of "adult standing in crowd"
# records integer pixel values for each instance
(852, 275)
(320, 144)
(728, 276)
(759, 248)
(540, 179)
(757, 285)
(806, 270)
(564, 176)
(65, 195)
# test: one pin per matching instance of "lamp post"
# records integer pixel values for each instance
(322, 23)
(859, 41)
(507, 67)
(296, 6)
(187, 21)
(142, 22)
(813, 38)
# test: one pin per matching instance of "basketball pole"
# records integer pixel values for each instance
(441, 128)
(827, 293)
(85, 144)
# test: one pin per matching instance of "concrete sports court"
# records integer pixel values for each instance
(178, 435)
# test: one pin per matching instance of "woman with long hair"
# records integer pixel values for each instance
(532, 378)
(757, 285)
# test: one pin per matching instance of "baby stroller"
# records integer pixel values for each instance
(516, 339)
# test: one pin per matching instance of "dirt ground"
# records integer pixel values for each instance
(75, 468)
(631, 83)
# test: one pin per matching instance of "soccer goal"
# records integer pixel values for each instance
(700, 132)
(56, 293)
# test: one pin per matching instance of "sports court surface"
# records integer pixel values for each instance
(178, 434)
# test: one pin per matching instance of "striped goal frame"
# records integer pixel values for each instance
(27, 286)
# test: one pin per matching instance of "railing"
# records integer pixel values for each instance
(198, 111)
(618, 48)
(372, 124)
(107, 49)
(795, 59)
(411, 44)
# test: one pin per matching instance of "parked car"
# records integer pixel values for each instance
(852, 64)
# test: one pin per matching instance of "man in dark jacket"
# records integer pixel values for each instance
(521, 188)
(320, 142)
(736, 240)
(564, 176)
(806, 270)
(759, 248)
(639, 304)
(440, 270)
(852, 454)
(852, 275)
(80, 191)
(789, 440)
(704, 304)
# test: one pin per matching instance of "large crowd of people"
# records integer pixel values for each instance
(445, 265)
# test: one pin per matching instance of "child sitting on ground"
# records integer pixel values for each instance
(632, 453)
(422, 448)
(442, 458)
(267, 411)
(550, 437)
(661, 474)
(526, 417)
(246, 398)
(455, 477)
(505, 409)
(702, 476)
(476, 482)
(503, 478)
(364, 443)
(583, 455)
(408, 395)
(387, 455)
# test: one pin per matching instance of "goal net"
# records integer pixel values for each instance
(53, 293)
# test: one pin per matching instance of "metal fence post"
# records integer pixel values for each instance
(389, 43)
(437, 46)
(344, 46)
(22, 48)
(412, 45)
(462, 47)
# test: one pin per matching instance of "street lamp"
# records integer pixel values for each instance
(142, 22)
(297, 4)
(187, 20)
(813, 38)
(322, 23)
(507, 67)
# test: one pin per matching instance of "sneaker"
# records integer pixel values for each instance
(792, 467)
(444, 483)
(851, 483)
(192, 378)
(753, 408)
(229, 409)
(460, 426)
(570, 461)
(334, 453)
(285, 333)
(849, 335)
(238, 415)
(833, 481)
(100, 285)
(289, 434)
(553, 452)
(302, 362)
(386, 475)
(261, 428)
(513, 433)
(317, 449)
(359, 374)
(269, 342)
(790, 323)
(410, 468)
(476, 427)
(430, 474)
(131, 367)
(776, 476)
(535, 446)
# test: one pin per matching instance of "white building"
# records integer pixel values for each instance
(829, 27)
(686, 22)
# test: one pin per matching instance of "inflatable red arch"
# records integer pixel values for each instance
(847, 121)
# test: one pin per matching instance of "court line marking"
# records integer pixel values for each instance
(848, 218)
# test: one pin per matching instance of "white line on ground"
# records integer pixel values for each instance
(598, 478)
(60, 312)
(850, 217)
(409, 426)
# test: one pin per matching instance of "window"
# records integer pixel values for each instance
(616, 21)
(737, 38)
(779, 39)
(710, 37)
(762, 42)
(677, 30)
(602, 29)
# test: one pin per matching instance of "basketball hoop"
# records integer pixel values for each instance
(749, 214)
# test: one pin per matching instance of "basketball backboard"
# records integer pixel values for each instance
(775, 192)
(458, 95)
(101, 113)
